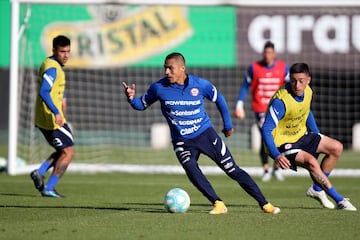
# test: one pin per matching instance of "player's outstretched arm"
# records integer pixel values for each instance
(129, 91)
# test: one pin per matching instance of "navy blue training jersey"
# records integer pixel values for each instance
(183, 105)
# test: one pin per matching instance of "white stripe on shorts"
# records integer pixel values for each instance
(291, 151)
(66, 132)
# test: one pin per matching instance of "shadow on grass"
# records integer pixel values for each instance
(16, 195)
(204, 208)
(137, 206)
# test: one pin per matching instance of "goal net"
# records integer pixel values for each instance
(117, 42)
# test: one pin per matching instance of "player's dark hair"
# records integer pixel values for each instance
(61, 41)
(300, 68)
(269, 44)
(176, 55)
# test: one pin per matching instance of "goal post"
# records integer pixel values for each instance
(13, 101)
(129, 41)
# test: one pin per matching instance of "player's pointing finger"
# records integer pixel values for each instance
(125, 85)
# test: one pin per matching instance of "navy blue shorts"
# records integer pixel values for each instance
(59, 138)
(208, 143)
(308, 143)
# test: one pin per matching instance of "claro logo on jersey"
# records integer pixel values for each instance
(119, 35)
(190, 130)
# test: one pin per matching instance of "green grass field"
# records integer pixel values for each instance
(129, 206)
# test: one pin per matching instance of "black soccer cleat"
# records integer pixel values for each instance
(38, 180)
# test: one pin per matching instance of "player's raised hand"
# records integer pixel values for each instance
(228, 133)
(129, 90)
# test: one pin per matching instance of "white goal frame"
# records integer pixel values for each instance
(16, 33)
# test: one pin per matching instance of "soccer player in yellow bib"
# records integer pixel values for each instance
(50, 118)
(293, 139)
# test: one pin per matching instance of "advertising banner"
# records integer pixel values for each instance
(108, 36)
(321, 37)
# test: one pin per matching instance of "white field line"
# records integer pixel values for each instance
(173, 169)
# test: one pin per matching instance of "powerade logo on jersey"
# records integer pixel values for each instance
(183, 103)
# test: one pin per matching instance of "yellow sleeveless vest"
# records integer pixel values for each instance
(44, 118)
(293, 125)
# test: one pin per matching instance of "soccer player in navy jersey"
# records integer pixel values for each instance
(293, 139)
(263, 77)
(181, 97)
(50, 118)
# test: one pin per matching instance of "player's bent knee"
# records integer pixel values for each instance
(68, 153)
(339, 147)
